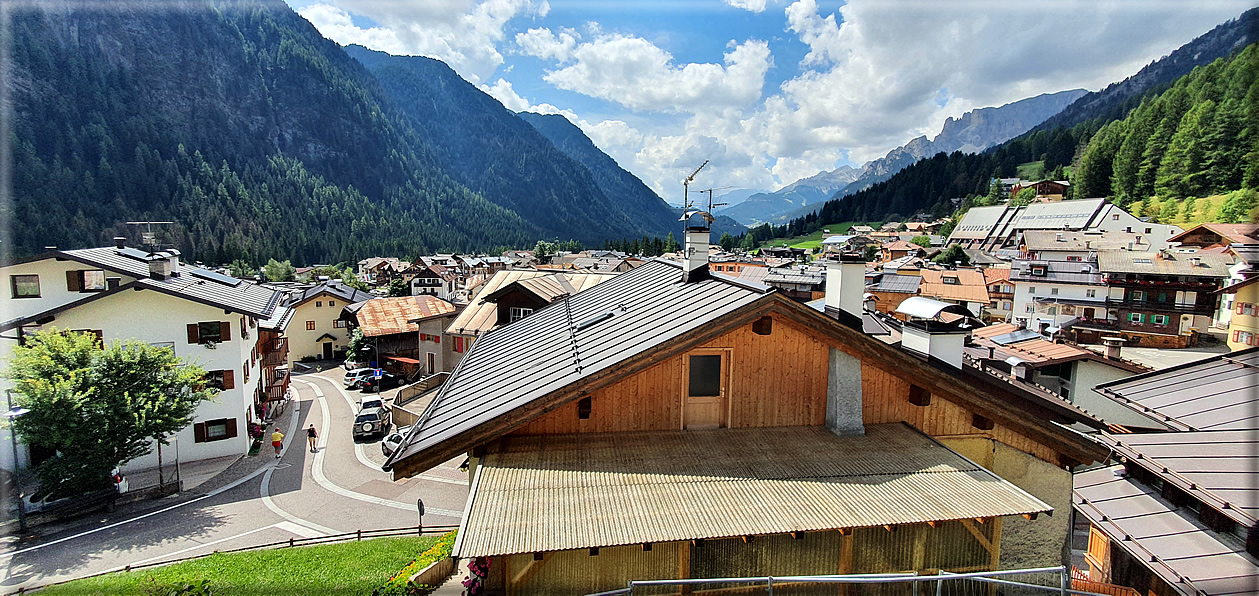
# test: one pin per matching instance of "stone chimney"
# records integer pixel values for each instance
(846, 287)
(1113, 347)
(695, 263)
(120, 242)
(163, 264)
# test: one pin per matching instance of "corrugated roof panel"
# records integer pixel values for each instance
(610, 489)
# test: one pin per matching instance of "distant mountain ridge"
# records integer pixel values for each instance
(763, 206)
(616, 183)
(973, 132)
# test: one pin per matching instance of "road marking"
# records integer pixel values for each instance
(265, 489)
(199, 546)
(212, 493)
(300, 530)
(316, 472)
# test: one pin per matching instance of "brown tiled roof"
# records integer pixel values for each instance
(482, 316)
(563, 492)
(386, 316)
(1242, 233)
(970, 287)
(994, 275)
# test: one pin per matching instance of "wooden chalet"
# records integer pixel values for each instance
(676, 423)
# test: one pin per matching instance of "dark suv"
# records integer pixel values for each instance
(371, 422)
(386, 381)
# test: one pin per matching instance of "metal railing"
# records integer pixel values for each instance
(1057, 580)
(291, 542)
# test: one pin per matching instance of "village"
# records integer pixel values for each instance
(1077, 389)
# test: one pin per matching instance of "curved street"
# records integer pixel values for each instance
(257, 500)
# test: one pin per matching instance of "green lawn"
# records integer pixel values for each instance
(1032, 170)
(815, 239)
(349, 568)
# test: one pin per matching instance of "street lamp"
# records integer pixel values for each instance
(13, 414)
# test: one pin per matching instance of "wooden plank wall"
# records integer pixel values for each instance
(775, 380)
(885, 399)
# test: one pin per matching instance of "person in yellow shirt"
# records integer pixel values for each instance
(277, 441)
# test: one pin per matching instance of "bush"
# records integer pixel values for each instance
(400, 584)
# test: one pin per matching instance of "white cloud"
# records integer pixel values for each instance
(462, 33)
(749, 5)
(542, 43)
(503, 91)
(637, 74)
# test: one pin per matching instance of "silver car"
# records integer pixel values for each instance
(391, 442)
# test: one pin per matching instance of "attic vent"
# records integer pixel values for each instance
(595, 320)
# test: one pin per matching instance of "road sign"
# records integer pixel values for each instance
(378, 373)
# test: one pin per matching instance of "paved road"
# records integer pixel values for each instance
(341, 488)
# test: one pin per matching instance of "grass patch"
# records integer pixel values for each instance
(814, 240)
(1032, 170)
(349, 568)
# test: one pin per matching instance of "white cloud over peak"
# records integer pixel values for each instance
(462, 33)
(503, 91)
(638, 75)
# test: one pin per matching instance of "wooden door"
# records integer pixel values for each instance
(705, 405)
(327, 350)
(432, 363)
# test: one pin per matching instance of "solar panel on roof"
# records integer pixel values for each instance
(133, 253)
(1015, 337)
(226, 280)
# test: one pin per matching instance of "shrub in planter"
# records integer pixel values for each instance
(400, 584)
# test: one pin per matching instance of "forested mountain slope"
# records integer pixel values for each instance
(494, 152)
(237, 120)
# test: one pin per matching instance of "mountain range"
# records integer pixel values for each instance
(975, 131)
(260, 138)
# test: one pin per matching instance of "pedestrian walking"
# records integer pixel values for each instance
(277, 440)
(312, 437)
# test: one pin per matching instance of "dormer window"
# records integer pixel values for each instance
(950, 280)
(1038, 270)
(516, 313)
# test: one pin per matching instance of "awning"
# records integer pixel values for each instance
(403, 359)
(563, 492)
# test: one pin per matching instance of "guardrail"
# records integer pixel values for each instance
(291, 542)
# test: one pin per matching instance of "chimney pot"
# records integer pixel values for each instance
(120, 242)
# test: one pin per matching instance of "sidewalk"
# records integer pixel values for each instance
(192, 474)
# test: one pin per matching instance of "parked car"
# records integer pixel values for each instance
(355, 377)
(372, 422)
(57, 502)
(350, 365)
(371, 402)
(391, 441)
(386, 380)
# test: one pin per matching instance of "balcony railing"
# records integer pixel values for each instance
(278, 385)
(275, 352)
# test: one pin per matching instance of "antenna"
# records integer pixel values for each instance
(711, 204)
(148, 237)
(686, 184)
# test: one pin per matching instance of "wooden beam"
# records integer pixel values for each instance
(979, 536)
(845, 559)
(996, 543)
(684, 564)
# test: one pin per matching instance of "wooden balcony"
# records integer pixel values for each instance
(278, 385)
(275, 352)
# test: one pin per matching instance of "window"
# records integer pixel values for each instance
(951, 280)
(1246, 308)
(1007, 305)
(516, 313)
(214, 430)
(1159, 319)
(92, 280)
(310, 325)
(1136, 317)
(245, 371)
(1245, 338)
(25, 286)
(1147, 231)
(1137, 295)
(583, 408)
(919, 396)
(1090, 293)
(705, 376)
(1031, 289)
(340, 324)
(220, 379)
(209, 332)
(319, 304)
(1052, 311)
(1029, 308)
(1114, 217)
(331, 303)
(1053, 291)
(1075, 259)
(458, 347)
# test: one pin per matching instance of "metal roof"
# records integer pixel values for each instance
(387, 316)
(1220, 468)
(1079, 241)
(1074, 215)
(1167, 539)
(1196, 264)
(1065, 272)
(977, 223)
(543, 352)
(903, 284)
(228, 292)
(926, 308)
(335, 288)
(564, 492)
(1217, 393)
(482, 315)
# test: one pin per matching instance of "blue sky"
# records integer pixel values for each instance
(769, 90)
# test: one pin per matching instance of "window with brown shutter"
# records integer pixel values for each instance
(214, 430)
(73, 283)
(198, 432)
(225, 331)
(194, 336)
(229, 379)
